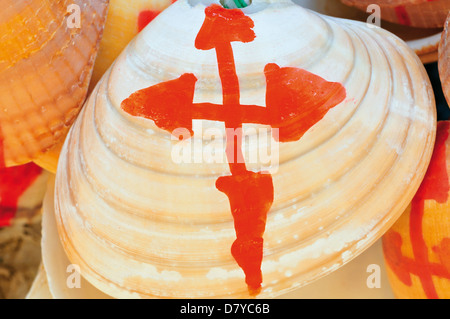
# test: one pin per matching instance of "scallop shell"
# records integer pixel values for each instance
(414, 13)
(45, 66)
(444, 60)
(141, 225)
(417, 247)
(123, 21)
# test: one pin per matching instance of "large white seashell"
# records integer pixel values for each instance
(140, 225)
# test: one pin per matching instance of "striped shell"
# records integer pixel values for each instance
(140, 225)
(45, 66)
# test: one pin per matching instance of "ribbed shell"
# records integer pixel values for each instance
(45, 68)
(141, 225)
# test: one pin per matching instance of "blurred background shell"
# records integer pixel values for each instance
(444, 60)
(46, 63)
(414, 13)
(424, 41)
(417, 247)
(139, 224)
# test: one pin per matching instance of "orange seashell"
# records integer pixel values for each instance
(444, 60)
(414, 13)
(417, 247)
(45, 69)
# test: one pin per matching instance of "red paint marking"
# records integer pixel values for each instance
(251, 197)
(295, 101)
(147, 16)
(402, 15)
(2, 155)
(13, 183)
(298, 99)
(435, 186)
(443, 252)
(173, 98)
(436, 182)
(403, 266)
(420, 248)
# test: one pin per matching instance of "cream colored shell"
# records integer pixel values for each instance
(140, 225)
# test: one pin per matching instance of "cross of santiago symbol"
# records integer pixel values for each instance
(295, 101)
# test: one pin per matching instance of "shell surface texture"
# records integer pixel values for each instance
(46, 62)
(349, 113)
(417, 247)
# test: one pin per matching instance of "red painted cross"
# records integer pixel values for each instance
(295, 100)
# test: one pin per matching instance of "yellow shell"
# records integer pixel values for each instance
(45, 66)
(141, 225)
(417, 247)
(120, 28)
